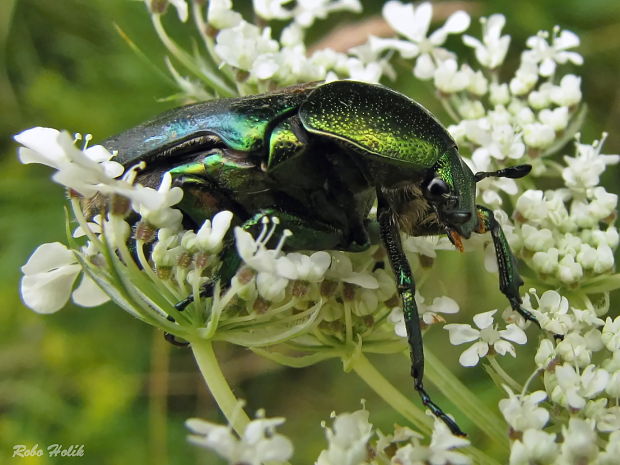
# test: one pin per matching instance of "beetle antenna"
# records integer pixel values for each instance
(513, 172)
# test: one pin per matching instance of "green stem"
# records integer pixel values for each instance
(217, 384)
(386, 390)
(219, 387)
(209, 77)
(203, 27)
(505, 377)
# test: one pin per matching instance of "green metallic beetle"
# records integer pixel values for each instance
(318, 156)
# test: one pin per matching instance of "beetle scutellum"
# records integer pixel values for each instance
(318, 156)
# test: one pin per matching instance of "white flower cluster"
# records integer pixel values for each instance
(568, 235)
(575, 384)
(351, 443)
(252, 61)
(352, 440)
(259, 443)
(500, 123)
(52, 269)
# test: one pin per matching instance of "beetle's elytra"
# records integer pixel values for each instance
(318, 156)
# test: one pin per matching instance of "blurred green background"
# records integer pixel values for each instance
(100, 378)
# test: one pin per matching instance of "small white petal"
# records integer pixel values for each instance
(457, 22)
(461, 333)
(89, 294)
(484, 320)
(514, 333)
(470, 357)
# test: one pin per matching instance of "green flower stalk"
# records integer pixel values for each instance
(129, 245)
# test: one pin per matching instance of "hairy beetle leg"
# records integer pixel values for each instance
(406, 289)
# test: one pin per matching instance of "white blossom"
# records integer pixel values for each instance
(309, 268)
(492, 50)
(220, 14)
(448, 78)
(525, 78)
(557, 118)
(341, 269)
(210, 235)
(538, 135)
(584, 169)
(546, 55)
(347, 439)
(154, 206)
(306, 12)
(552, 313)
(441, 450)
(568, 93)
(87, 172)
(612, 451)
(413, 23)
(573, 389)
(272, 9)
(247, 47)
(522, 412)
(499, 94)
(536, 239)
(49, 275)
(254, 252)
(429, 313)
(534, 447)
(569, 271)
(579, 443)
(258, 445)
(611, 334)
(486, 336)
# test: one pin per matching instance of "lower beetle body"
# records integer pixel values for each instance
(318, 156)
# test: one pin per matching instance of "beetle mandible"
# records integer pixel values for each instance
(318, 156)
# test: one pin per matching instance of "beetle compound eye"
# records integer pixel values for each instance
(436, 189)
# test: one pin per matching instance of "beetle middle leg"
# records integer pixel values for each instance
(390, 235)
(509, 279)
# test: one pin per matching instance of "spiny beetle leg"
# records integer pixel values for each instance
(406, 289)
(509, 278)
(426, 400)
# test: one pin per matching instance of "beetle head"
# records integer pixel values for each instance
(450, 188)
(444, 200)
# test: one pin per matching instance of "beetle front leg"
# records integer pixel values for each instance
(509, 279)
(406, 289)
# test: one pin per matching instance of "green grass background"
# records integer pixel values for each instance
(100, 378)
